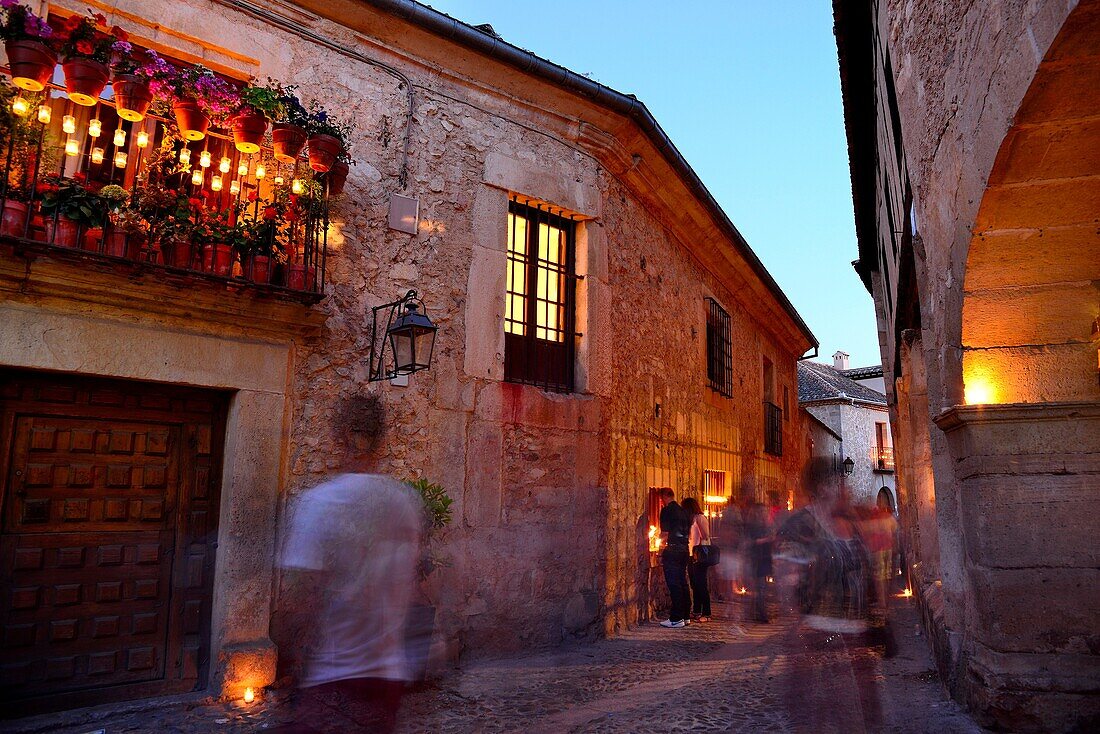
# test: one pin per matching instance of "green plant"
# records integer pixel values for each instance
(437, 516)
(114, 196)
(73, 200)
(320, 122)
(80, 38)
(22, 133)
(264, 100)
(291, 110)
(20, 23)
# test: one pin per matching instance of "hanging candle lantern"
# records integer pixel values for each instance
(120, 138)
(204, 159)
(196, 177)
(68, 124)
(260, 170)
(215, 183)
(120, 159)
(71, 147)
(185, 156)
(20, 106)
(95, 128)
(142, 139)
(45, 114)
(278, 180)
(97, 155)
(296, 186)
(235, 188)
(242, 169)
(224, 165)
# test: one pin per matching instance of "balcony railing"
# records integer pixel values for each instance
(773, 429)
(883, 458)
(171, 197)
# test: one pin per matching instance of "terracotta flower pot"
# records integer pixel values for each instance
(301, 278)
(132, 96)
(85, 80)
(178, 253)
(63, 233)
(336, 177)
(217, 259)
(257, 268)
(32, 64)
(14, 222)
(288, 141)
(249, 127)
(117, 245)
(323, 152)
(93, 236)
(190, 119)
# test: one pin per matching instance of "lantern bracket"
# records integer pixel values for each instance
(378, 368)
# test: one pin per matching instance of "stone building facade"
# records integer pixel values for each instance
(974, 153)
(859, 417)
(552, 488)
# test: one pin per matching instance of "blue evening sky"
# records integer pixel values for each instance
(749, 91)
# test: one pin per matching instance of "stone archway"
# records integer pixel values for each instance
(1031, 293)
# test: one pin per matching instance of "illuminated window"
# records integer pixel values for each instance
(538, 308)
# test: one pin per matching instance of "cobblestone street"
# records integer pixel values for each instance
(723, 676)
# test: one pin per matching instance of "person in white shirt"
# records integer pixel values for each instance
(697, 572)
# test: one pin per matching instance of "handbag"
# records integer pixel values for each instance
(707, 555)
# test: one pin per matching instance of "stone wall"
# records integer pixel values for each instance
(856, 425)
(549, 489)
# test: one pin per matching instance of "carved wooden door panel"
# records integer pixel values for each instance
(106, 539)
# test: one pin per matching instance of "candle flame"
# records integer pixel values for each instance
(249, 695)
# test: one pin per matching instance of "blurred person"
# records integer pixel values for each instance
(350, 553)
(697, 572)
(878, 528)
(675, 535)
(758, 540)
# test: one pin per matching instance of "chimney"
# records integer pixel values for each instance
(840, 360)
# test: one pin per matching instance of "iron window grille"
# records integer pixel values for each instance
(719, 349)
(539, 310)
(773, 429)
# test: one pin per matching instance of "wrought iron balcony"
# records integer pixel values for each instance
(81, 182)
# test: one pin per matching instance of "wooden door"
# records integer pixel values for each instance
(107, 538)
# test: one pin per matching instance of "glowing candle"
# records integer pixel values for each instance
(260, 170)
(120, 138)
(242, 170)
(204, 159)
(185, 156)
(68, 124)
(278, 180)
(95, 128)
(235, 188)
(249, 695)
(224, 165)
(216, 183)
(120, 160)
(71, 147)
(196, 177)
(20, 106)
(45, 114)
(142, 139)
(296, 186)
(97, 155)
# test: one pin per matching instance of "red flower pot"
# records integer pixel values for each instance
(249, 127)
(132, 96)
(190, 119)
(217, 259)
(177, 253)
(288, 141)
(117, 245)
(14, 222)
(93, 236)
(63, 232)
(85, 80)
(257, 268)
(32, 64)
(323, 152)
(301, 278)
(336, 177)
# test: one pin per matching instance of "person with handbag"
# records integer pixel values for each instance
(701, 561)
(675, 532)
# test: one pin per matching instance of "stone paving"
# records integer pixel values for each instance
(723, 676)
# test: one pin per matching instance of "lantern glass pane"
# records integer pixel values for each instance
(401, 343)
(424, 340)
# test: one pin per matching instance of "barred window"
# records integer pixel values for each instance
(539, 326)
(719, 349)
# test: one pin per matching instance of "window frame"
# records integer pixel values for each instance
(719, 349)
(528, 358)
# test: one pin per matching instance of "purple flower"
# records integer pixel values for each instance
(8, 4)
(121, 47)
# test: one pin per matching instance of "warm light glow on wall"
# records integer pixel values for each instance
(712, 499)
(979, 389)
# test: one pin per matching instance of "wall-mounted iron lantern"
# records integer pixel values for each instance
(410, 335)
(849, 466)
